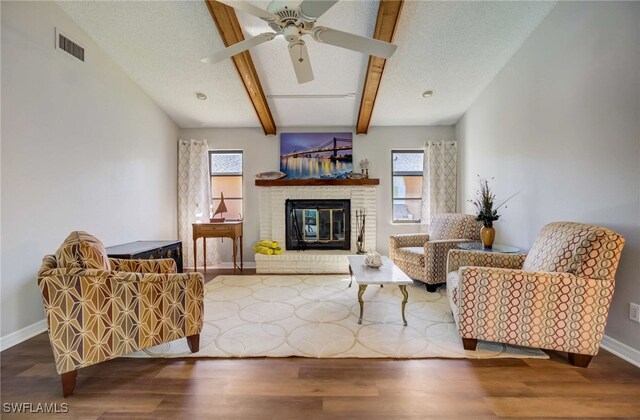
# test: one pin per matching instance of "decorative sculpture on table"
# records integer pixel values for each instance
(361, 217)
(373, 259)
(364, 167)
(221, 209)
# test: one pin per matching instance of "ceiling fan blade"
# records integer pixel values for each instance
(354, 42)
(300, 59)
(315, 8)
(247, 7)
(239, 47)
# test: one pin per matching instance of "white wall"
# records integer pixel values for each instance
(83, 148)
(261, 154)
(561, 122)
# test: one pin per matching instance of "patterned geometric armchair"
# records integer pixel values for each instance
(555, 298)
(99, 308)
(423, 256)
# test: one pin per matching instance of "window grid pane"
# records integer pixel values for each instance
(234, 208)
(409, 162)
(406, 210)
(226, 163)
(230, 186)
(407, 187)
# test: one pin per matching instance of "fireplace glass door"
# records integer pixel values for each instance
(317, 224)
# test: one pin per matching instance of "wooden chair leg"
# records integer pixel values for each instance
(68, 382)
(469, 343)
(194, 343)
(580, 360)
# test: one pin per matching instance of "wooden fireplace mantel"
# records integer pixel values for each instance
(284, 182)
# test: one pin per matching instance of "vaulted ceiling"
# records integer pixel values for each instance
(454, 48)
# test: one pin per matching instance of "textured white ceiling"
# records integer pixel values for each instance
(160, 44)
(455, 48)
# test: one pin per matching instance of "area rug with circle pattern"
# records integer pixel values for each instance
(317, 316)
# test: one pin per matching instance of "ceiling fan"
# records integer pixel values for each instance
(294, 19)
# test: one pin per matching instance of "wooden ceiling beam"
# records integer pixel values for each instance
(386, 24)
(229, 28)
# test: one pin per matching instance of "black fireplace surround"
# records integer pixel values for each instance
(318, 224)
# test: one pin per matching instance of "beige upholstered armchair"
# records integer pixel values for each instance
(423, 256)
(555, 298)
(99, 308)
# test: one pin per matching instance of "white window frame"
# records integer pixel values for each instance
(213, 175)
(394, 174)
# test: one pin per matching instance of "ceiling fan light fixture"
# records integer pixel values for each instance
(427, 93)
(294, 19)
(201, 96)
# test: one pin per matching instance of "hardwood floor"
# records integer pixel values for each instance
(298, 388)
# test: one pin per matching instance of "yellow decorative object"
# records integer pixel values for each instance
(267, 247)
(263, 250)
(268, 244)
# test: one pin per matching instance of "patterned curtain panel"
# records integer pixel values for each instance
(194, 196)
(439, 184)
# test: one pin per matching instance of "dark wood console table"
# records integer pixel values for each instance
(148, 250)
(231, 230)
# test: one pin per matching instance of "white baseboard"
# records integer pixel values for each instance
(222, 265)
(621, 350)
(229, 264)
(23, 334)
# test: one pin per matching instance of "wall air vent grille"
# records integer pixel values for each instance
(63, 43)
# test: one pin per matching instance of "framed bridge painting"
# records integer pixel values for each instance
(316, 155)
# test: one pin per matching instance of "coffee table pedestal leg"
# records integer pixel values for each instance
(405, 295)
(361, 290)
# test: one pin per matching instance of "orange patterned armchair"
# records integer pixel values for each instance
(555, 298)
(99, 308)
(423, 256)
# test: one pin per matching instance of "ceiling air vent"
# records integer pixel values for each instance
(63, 43)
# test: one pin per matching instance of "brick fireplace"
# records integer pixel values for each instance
(273, 226)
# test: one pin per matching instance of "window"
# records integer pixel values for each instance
(226, 178)
(406, 171)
